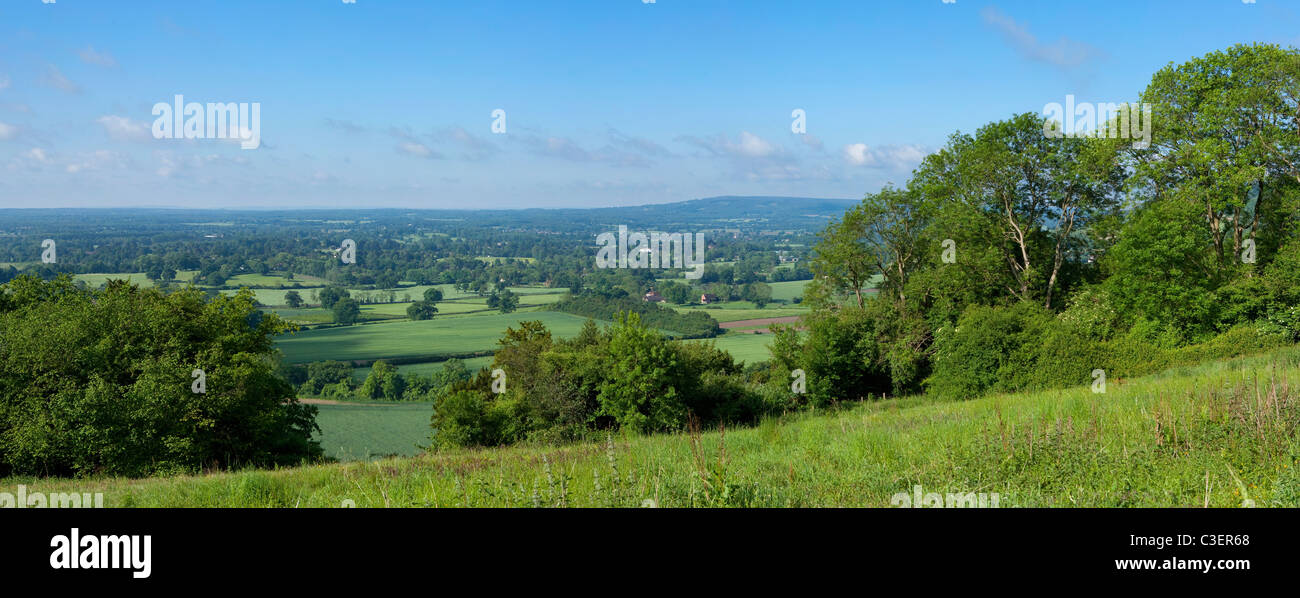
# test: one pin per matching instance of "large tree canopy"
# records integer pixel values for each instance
(131, 381)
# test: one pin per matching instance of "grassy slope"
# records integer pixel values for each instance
(1155, 441)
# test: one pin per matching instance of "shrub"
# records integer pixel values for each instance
(458, 420)
(987, 345)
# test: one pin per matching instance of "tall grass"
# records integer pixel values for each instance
(1221, 434)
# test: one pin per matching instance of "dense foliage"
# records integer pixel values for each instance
(1015, 260)
(627, 376)
(108, 382)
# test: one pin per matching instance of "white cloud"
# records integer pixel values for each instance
(122, 128)
(857, 154)
(753, 146)
(1065, 53)
(104, 59)
(894, 156)
(7, 132)
(4, 82)
(37, 154)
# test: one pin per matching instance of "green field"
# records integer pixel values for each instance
(749, 348)
(425, 369)
(787, 291)
(137, 278)
(364, 431)
(408, 338)
(274, 280)
(735, 311)
(1189, 437)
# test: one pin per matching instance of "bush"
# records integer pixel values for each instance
(458, 420)
(384, 382)
(840, 355)
(989, 348)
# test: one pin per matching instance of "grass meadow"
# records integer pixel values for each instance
(1220, 434)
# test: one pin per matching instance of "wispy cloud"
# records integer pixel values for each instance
(95, 161)
(638, 144)
(345, 126)
(746, 145)
(54, 78)
(7, 132)
(34, 159)
(4, 82)
(409, 144)
(813, 142)
(620, 150)
(472, 147)
(172, 163)
(90, 56)
(122, 128)
(751, 157)
(1064, 53)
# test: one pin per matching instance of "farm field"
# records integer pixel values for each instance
(367, 430)
(274, 297)
(749, 348)
(274, 280)
(444, 308)
(742, 310)
(408, 338)
(1059, 448)
(787, 291)
(425, 369)
(137, 278)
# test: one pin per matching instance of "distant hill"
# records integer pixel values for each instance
(728, 212)
(748, 214)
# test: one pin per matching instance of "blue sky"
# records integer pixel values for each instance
(388, 103)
